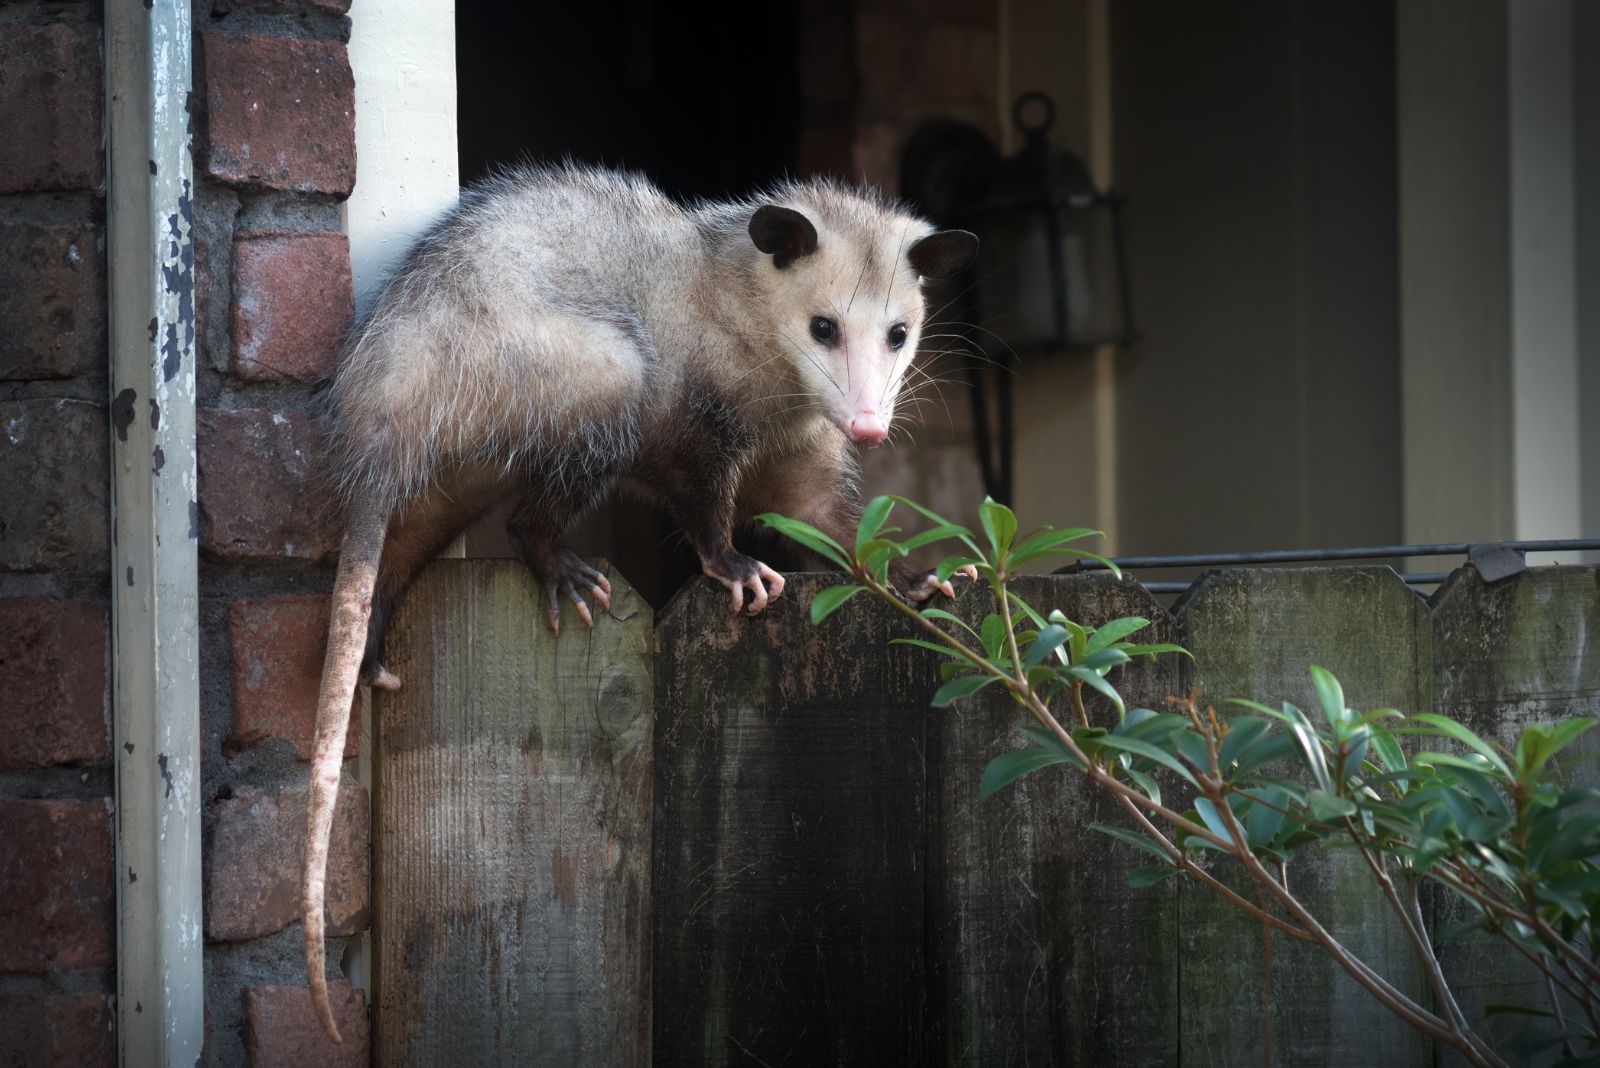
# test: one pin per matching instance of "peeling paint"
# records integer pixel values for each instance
(122, 412)
(17, 427)
(158, 459)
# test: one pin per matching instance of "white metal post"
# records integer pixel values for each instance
(155, 598)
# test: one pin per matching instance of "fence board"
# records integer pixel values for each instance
(512, 828)
(1254, 633)
(789, 835)
(1039, 953)
(1525, 650)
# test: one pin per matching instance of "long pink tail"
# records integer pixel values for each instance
(347, 638)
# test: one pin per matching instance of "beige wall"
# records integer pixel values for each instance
(1255, 143)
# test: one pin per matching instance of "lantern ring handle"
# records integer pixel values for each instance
(1034, 97)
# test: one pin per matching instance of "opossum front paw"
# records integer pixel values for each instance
(741, 574)
(918, 586)
(564, 573)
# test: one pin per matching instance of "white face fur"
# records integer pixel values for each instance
(849, 304)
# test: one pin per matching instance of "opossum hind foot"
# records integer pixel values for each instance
(919, 586)
(563, 573)
(740, 575)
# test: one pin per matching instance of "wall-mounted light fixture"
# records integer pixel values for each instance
(1051, 274)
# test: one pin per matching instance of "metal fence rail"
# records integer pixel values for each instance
(1494, 560)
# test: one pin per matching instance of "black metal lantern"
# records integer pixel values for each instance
(1050, 273)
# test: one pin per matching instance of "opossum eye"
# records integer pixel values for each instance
(897, 335)
(824, 329)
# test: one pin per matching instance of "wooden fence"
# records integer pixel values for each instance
(751, 841)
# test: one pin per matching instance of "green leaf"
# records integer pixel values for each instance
(1144, 782)
(1387, 749)
(1331, 696)
(1114, 631)
(1269, 749)
(1095, 680)
(1000, 524)
(1243, 732)
(873, 516)
(1139, 878)
(1142, 748)
(1132, 838)
(1152, 650)
(1554, 738)
(965, 686)
(942, 532)
(1051, 638)
(806, 535)
(1449, 727)
(1046, 542)
(1326, 806)
(1262, 823)
(1311, 754)
(922, 644)
(1103, 660)
(1213, 819)
(948, 617)
(827, 601)
(994, 634)
(1007, 768)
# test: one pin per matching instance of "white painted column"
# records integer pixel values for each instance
(155, 649)
(1546, 442)
(1489, 271)
(408, 174)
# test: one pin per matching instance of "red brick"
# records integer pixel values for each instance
(52, 300)
(256, 864)
(50, 106)
(53, 658)
(280, 113)
(57, 1030)
(281, 1031)
(56, 895)
(260, 494)
(54, 474)
(277, 666)
(292, 303)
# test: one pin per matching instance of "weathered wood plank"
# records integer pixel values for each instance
(511, 826)
(1039, 952)
(1522, 651)
(789, 835)
(1254, 633)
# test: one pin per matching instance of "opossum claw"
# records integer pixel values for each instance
(764, 584)
(564, 572)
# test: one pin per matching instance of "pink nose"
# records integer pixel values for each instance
(868, 429)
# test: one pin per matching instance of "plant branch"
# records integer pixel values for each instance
(1182, 861)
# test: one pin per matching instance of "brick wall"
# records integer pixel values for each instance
(274, 156)
(871, 71)
(57, 898)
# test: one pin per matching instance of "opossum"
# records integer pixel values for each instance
(568, 330)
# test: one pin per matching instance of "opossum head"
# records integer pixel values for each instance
(842, 279)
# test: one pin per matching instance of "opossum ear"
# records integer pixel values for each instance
(782, 233)
(941, 255)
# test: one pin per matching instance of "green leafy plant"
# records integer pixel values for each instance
(1256, 788)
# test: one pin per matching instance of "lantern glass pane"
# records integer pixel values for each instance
(1016, 286)
(1094, 292)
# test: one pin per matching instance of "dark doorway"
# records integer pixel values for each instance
(704, 99)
